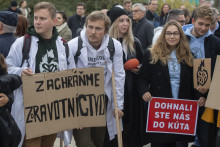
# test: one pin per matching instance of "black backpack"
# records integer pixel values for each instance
(27, 46)
(111, 49)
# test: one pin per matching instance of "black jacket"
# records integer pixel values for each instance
(18, 11)
(144, 31)
(217, 32)
(8, 83)
(154, 78)
(163, 20)
(10, 134)
(6, 40)
(131, 119)
(76, 22)
(153, 18)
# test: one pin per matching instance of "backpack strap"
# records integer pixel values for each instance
(66, 49)
(111, 48)
(78, 52)
(27, 46)
(26, 49)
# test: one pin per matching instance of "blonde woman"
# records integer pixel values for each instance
(167, 72)
(121, 29)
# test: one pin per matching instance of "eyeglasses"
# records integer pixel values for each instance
(169, 34)
(135, 11)
(182, 21)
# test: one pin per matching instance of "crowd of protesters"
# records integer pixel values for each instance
(165, 45)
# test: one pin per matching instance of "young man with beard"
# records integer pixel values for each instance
(47, 54)
(204, 45)
(95, 53)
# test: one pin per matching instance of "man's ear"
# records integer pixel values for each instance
(54, 21)
(193, 21)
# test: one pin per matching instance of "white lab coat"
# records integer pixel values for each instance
(118, 69)
(14, 60)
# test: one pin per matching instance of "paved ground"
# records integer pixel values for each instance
(57, 144)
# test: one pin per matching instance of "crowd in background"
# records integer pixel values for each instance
(165, 45)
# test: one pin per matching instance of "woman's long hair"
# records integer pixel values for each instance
(128, 38)
(160, 51)
(161, 12)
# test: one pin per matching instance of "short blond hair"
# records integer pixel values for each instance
(46, 5)
(203, 12)
(98, 15)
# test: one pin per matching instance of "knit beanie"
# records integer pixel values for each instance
(116, 12)
(14, 4)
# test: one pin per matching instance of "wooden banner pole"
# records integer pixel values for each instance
(61, 142)
(118, 122)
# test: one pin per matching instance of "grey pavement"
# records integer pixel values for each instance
(57, 144)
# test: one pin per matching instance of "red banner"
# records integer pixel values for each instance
(175, 116)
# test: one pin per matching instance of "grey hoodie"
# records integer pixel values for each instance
(197, 44)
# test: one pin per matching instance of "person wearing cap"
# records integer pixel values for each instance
(46, 50)
(8, 23)
(13, 8)
(121, 29)
(95, 53)
(142, 28)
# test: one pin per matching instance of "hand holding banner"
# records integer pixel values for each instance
(63, 100)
